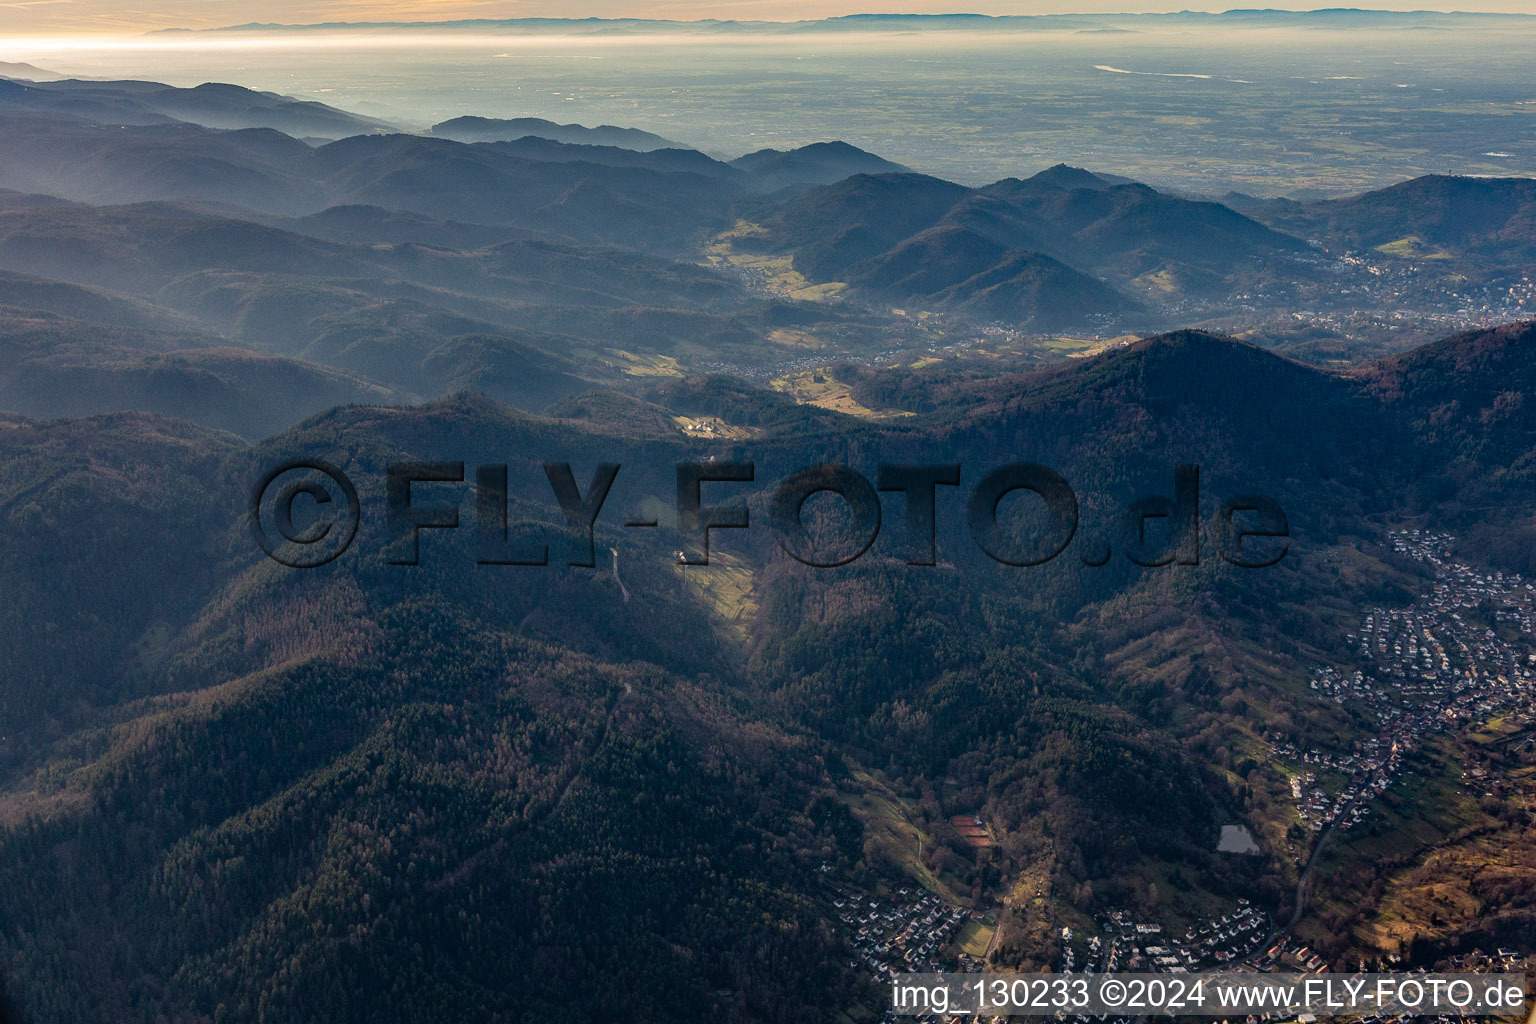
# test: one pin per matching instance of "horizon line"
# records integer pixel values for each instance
(870, 15)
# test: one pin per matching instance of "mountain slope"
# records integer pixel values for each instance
(1492, 218)
(1131, 230)
(343, 763)
(173, 160)
(668, 160)
(1470, 397)
(820, 163)
(1156, 246)
(50, 372)
(214, 105)
(399, 786)
(29, 72)
(835, 226)
(588, 201)
(492, 129)
(263, 170)
(958, 268)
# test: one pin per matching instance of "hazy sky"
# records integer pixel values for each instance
(30, 17)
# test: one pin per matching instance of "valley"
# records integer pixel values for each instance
(752, 790)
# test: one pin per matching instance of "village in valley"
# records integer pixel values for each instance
(1463, 654)
(906, 931)
(1426, 669)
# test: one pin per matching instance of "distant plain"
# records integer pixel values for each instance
(1301, 111)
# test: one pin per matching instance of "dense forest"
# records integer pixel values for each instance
(439, 778)
(392, 792)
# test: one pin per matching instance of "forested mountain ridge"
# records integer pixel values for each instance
(233, 790)
(377, 744)
(213, 104)
(1488, 217)
(826, 226)
(499, 129)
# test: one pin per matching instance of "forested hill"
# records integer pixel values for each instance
(374, 790)
(367, 789)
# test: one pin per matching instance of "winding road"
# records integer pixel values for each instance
(1302, 882)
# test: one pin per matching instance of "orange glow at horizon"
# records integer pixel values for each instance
(64, 18)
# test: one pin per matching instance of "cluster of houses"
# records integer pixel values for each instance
(1231, 942)
(1419, 290)
(1125, 943)
(1432, 667)
(1421, 670)
(904, 932)
(1290, 955)
(1477, 961)
(1370, 293)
